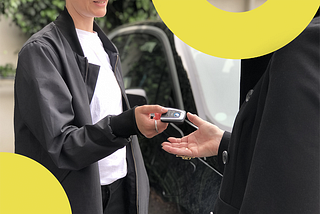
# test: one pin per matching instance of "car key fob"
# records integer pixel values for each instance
(173, 116)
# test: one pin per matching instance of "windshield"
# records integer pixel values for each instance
(215, 82)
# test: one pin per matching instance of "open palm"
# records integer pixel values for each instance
(203, 142)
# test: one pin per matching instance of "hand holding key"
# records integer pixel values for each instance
(147, 125)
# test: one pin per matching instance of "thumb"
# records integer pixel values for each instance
(195, 119)
(157, 109)
(147, 109)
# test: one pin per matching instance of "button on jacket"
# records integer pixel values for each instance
(53, 88)
(271, 159)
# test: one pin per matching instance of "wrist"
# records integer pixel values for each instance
(124, 124)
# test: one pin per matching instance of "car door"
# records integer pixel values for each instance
(150, 62)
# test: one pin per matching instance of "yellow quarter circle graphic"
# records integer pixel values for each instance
(236, 35)
(28, 187)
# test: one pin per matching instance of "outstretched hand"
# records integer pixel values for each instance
(147, 126)
(203, 142)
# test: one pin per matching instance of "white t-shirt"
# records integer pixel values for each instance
(107, 100)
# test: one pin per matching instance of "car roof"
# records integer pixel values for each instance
(155, 23)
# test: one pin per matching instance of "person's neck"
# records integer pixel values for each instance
(84, 26)
(81, 22)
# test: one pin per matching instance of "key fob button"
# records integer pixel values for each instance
(177, 114)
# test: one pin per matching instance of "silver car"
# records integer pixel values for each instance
(166, 71)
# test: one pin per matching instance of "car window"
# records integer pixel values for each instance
(219, 81)
(215, 82)
(144, 66)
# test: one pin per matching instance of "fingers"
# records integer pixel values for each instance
(151, 128)
(180, 149)
(147, 126)
(163, 126)
(160, 126)
(177, 146)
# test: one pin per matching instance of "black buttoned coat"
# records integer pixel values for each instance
(271, 159)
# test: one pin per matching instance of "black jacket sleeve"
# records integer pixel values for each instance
(52, 110)
(124, 125)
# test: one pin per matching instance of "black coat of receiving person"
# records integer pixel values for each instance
(270, 161)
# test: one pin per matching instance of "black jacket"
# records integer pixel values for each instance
(53, 88)
(272, 156)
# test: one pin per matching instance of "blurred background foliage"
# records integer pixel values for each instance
(32, 15)
(7, 70)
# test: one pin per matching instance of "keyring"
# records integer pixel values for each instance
(184, 157)
(155, 125)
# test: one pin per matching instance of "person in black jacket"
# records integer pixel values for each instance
(72, 114)
(270, 161)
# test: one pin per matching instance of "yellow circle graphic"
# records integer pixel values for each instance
(28, 187)
(236, 35)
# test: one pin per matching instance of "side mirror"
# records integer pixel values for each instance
(137, 97)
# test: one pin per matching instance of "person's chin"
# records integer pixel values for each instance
(100, 13)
